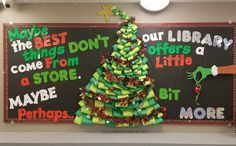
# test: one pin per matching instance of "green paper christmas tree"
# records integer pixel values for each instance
(120, 93)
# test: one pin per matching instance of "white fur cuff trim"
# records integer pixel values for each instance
(214, 70)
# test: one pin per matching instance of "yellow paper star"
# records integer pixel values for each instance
(106, 11)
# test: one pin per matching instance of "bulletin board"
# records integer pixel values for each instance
(42, 85)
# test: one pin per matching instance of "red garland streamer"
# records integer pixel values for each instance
(127, 62)
(129, 120)
(130, 81)
(104, 98)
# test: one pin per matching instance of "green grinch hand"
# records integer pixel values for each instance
(203, 73)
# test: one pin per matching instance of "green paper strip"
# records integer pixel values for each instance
(93, 88)
(86, 120)
(86, 110)
(115, 47)
(152, 121)
(145, 67)
(78, 113)
(108, 92)
(122, 96)
(78, 120)
(114, 66)
(117, 114)
(134, 27)
(128, 71)
(149, 110)
(99, 103)
(144, 73)
(126, 49)
(108, 111)
(144, 60)
(110, 123)
(98, 120)
(117, 72)
(151, 101)
(82, 103)
(102, 86)
(128, 113)
(125, 91)
(156, 106)
(133, 37)
(160, 115)
(117, 92)
(128, 44)
(96, 75)
(158, 120)
(141, 112)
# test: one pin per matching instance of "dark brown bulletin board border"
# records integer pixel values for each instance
(115, 25)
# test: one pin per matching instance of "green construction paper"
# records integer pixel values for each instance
(151, 101)
(102, 86)
(158, 120)
(108, 111)
(122, 96)
(99, 103)
(117, 92)
(144, 67)
(82, 103)
(108, 92)
(78, 120)
(144, 60)
(131, 58)
(156, 106)
(135, 66)
(93, 81)
(150, 94)
(134, 27)
(160, 115)
(88, 86)
(93, 88)
(114, 67)
(85, 120)
(149, 110)
(133, 38)
(117, 72)
(98, 120)
(139, 112)
(128, 71)
(128, 44)
(130, 74)
(110, 123)
(101, 91)
(123, 41)
(147, 83)
(144, 73)
(96, 75)
(78, 113)
(117, 114)
(149, 122)
(115, 47)
(86, 110)
(109, 67)
(99, 70)
(125, 91)
(126, 49)
(128, 113)
(127, 56)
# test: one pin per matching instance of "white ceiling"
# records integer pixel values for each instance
(110, 1)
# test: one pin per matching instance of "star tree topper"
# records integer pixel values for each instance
(106, 12)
